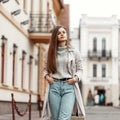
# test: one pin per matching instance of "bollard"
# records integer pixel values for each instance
(13, 113)
(30, 107)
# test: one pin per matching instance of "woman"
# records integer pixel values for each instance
(63, 70)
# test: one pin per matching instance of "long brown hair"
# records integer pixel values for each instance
(52, 51)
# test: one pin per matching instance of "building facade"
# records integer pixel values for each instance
(74, 38)
(99, 49)
(25, 30)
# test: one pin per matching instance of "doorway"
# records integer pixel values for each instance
(101, 93)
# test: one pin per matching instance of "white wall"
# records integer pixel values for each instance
(14, 36)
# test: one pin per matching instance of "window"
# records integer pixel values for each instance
(95, 44)
(94, 70)
(3, 58)
(23, 67)
(30, 71)
(103, 44)
(14, 64)
(103, 70)
(48, 23)
(103, 47)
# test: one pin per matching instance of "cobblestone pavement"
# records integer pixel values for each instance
(102, 113)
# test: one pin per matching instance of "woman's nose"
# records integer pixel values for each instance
(62, 33)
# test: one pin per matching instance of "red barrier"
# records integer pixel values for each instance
(14, 107)
(40, 105)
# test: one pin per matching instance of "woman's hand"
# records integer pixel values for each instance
(71, 81)
(49, 79)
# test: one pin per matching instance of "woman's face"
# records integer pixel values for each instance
(62, 35)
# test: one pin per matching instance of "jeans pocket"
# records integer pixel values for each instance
(69, 86)
(53, 85)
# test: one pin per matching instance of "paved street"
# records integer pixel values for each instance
(92, 113)
(102, 113)
(34, 116)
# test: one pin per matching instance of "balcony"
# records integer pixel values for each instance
(100, 79)
(103, 54)
(40, 28)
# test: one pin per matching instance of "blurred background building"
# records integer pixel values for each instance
(25, 30)
(98, 39)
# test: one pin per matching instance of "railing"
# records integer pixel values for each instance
(14, 107)
(43, 23)
(99, 54)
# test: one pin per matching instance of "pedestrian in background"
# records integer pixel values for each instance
(96, 99)
(102, 99)
(63, 69)
(90, 99)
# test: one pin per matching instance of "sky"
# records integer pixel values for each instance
(93, 8)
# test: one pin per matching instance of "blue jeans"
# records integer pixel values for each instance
(61, 100)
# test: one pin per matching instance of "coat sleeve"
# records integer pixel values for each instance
(79, 67)
(45, 65)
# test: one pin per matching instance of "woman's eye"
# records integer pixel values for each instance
(63, 32)
(59, 33)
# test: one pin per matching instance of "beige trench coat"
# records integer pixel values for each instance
(74, 68)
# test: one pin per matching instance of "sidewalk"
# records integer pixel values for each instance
(34, 116)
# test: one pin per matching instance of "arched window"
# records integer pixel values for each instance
(23, 68)
(14, 64)
(3, 50)
(30, 71)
